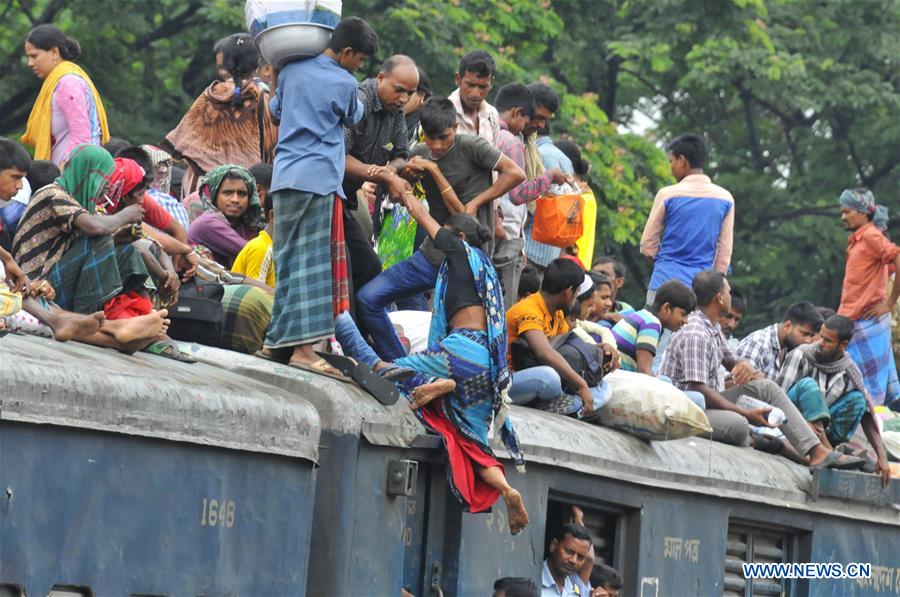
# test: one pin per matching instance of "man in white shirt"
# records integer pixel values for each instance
(474, 82)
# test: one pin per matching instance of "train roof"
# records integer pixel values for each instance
(75, 385)
(694, 465)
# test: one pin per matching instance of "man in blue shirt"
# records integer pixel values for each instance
(314, 100)
(569, 550)
(690, 226)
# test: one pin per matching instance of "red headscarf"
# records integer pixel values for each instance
(125, 177)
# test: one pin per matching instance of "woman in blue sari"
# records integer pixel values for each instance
(461, 381)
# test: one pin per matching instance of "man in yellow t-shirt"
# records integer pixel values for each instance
(538, 317)
(256, 258)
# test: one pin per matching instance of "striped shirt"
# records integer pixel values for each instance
(45, 231)
(637, 330)
(172, 206)
(512, 204)
(695, 352)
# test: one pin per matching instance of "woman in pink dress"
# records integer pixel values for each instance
(68, 111)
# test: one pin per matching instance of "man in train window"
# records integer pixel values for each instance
(569, 550)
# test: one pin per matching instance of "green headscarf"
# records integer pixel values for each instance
(209, 187)
(86, 175)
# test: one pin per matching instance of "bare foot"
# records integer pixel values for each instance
(143, 327)
(515, 511)
(428, 392)
(69, 326)
(305, 354)
(819, 429)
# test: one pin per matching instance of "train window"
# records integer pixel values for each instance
(602, 523)
(11, 590)
(70, 591)
(754, 544)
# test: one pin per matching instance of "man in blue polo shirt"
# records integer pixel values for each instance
(569, 550)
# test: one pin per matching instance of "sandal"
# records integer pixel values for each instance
(838, 462)
(591, 416)
(169, 349)
(377, 386)
(321, 367)
(395, 373)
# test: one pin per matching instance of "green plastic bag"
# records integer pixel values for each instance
(397, 237)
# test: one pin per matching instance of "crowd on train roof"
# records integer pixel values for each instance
(381, 221)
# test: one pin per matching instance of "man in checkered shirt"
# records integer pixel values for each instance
(692, 360)
(766, 348)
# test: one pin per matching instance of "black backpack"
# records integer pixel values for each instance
(584, 358)
(198, 316)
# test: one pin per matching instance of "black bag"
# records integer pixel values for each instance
(198, 315)
(584, 358)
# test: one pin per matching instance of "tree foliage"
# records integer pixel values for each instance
(798, 99)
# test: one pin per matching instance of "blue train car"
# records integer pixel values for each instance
(142, 476)
(677, 517)
(134, 475)
(681, 517)
(377, 466)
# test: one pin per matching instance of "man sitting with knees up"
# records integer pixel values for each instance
(766, 348)
(828, 388)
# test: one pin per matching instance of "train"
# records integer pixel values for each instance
(140, 476)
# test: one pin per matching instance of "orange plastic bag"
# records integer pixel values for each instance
(558, 220)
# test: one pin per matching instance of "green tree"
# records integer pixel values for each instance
(148, 60)
(798, 99)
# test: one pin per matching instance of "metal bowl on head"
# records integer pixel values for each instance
(292, 41)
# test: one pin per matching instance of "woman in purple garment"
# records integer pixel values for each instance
(231, 213)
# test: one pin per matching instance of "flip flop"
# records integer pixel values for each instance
(169, 349)
(320, 367)
(395, 373)
(375, 385)
(834, 462)
(591, 416)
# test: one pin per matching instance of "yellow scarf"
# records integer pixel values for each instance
(534, 165)
(38, 133)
